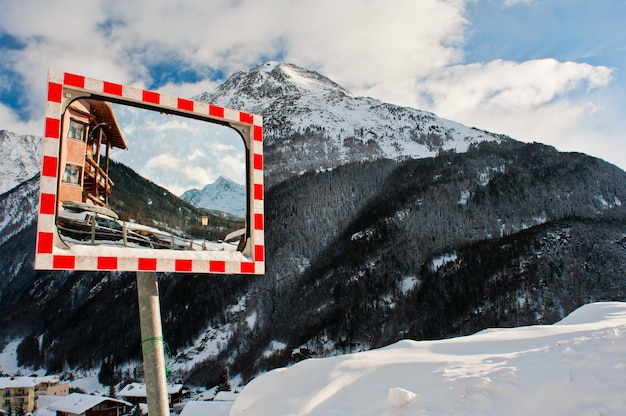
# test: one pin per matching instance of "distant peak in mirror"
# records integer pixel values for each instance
(222, 195)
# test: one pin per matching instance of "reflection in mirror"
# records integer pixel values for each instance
(142, 178)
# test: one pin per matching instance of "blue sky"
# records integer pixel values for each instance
(563, 29)
(552, 71)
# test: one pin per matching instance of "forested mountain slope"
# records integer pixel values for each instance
(368, 253)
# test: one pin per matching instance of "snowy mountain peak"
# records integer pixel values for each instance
(222, 195)
(269, 81)
(224, 181)
(304, 79)
(324, 126)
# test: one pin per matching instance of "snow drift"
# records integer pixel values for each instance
(575, 367)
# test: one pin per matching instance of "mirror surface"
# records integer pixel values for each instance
(142, 178)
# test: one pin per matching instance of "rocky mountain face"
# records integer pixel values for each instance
(21, 159)
(18, 208)
(382, 223)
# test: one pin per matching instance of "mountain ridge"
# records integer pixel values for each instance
(295, 103)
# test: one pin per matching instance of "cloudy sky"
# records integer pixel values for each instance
(552, 71)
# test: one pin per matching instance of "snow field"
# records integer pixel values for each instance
(577, 367)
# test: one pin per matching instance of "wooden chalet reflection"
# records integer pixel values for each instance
(89, 132)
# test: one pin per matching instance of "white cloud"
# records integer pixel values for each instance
(188, 89)
(411, 55)
(12, 123)
(164, 162)
(353, 42)
(198, 176)
(540, 100)
(506, 85)
(196, 154)
(374, 49)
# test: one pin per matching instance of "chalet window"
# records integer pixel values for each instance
(72, 174)
(7, 403)
(76, 130)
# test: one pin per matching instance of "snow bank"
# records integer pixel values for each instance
(577, 367)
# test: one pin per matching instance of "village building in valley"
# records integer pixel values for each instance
(18, 393)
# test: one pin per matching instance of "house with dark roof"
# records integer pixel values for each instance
(136, 393)
(78, 404)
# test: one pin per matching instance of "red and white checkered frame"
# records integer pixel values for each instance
(64, 87)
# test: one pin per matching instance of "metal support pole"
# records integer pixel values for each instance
(152, 344)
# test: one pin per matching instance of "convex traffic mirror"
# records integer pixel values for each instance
(136, 180)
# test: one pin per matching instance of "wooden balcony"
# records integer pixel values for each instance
(96, 183)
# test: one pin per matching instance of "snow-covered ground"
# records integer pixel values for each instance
(575, 367)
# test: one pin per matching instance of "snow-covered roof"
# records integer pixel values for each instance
(139, 390)
(203, 408)
(17, 382)
(79, 403)
(225, 396)
(47, 379)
